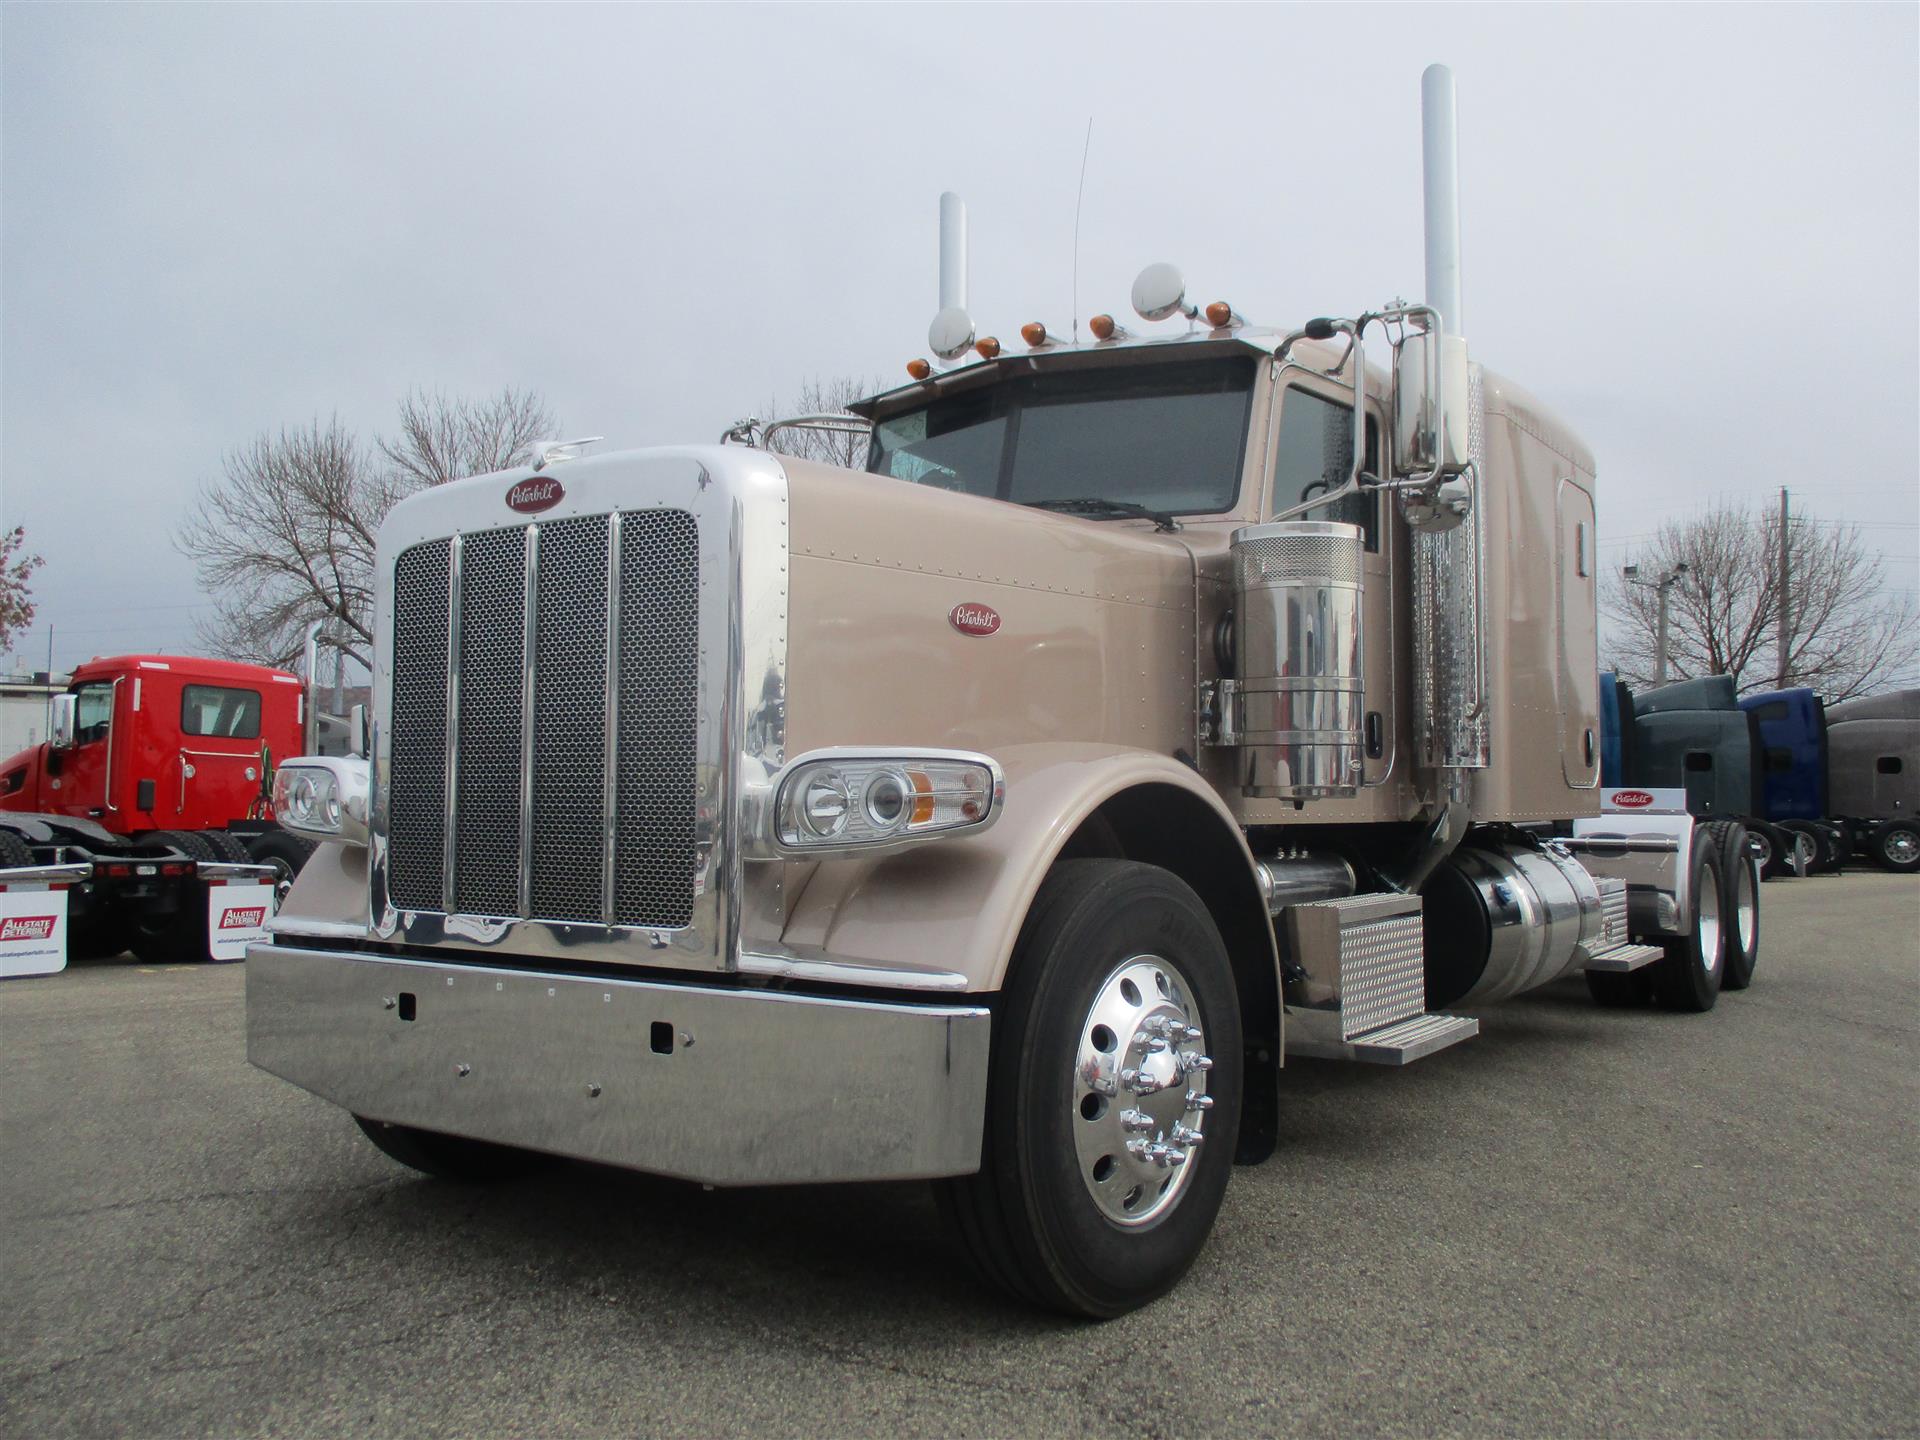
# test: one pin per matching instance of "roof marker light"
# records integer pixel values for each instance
(1034, 332)
(1103, 328)
(988, 348)
(919, 369)
(1220, 315)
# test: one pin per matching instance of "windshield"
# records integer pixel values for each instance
(1167, 437)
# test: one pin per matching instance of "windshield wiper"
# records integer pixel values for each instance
(1095, 505)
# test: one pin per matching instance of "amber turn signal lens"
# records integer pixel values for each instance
(1034, 333)
(1219, 314)
(1101, 326)
(919, 369)
(988, 348)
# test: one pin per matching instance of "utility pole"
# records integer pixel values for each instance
(1664, 585)
(1786, 607)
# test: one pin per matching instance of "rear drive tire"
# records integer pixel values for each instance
(1739, 910)
(1120, 987)
(15, 853)
(450, 1157)
(227, 847)
(181, 936)
(1897, 848)
(283, 850)
(1689, 977)
(1620, 990)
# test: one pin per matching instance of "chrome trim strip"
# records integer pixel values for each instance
(728, 1087)
(451, 797)
(795, 964)
(314, 929)
(610, 742)
(529, 682)
(32, 877)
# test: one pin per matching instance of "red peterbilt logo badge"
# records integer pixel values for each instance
(243, 919)
(27, 927)
(530, 497)
(1630, 799)
(974, 619)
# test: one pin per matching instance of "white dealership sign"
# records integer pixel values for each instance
(237, 917)
(33, 932)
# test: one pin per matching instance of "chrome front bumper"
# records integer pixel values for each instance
(728, 1087)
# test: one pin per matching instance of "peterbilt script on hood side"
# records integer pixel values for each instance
(1147, 710)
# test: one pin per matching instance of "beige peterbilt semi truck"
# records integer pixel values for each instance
(1149, 709)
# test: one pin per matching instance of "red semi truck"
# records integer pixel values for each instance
(158, 770)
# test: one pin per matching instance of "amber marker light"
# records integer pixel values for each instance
(988, 348)
(919, 369)
(923, 798)
(1101, 326)
(1219, 314)
(1034, 333)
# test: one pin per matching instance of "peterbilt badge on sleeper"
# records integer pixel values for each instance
(971, 619)
(530, 497)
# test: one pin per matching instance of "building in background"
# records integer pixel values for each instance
(25, 701)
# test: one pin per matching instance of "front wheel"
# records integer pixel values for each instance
(1897, 848)
(1113, 1096)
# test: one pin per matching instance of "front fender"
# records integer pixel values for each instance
(959, 905)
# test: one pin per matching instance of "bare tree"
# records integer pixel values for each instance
(287, 536)
(1849, 635)
(16, 573)
(829, 447)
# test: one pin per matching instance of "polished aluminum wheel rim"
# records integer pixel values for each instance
(1140, 1096)
(1901, 847)
(1707, 906)
(1746, 906)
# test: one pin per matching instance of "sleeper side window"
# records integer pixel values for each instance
(1313, 456)
(219, 710)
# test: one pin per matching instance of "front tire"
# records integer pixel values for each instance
(1113, 1096)
(449, 1157)
(1897, 848)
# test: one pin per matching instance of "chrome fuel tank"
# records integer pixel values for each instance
(1299, 707)
(1501, 919)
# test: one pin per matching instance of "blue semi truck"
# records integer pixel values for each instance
(1815, 785)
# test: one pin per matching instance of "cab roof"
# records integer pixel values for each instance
(191, 667)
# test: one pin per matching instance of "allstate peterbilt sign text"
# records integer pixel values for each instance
(33, 932)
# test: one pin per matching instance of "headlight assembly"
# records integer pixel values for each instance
(322, 798)
(848, 799)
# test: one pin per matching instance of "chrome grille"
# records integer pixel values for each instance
(418, 775)
(537, 831)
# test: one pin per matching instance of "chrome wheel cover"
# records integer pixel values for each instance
(1900, 847)
(1707, 920)
(1140, 1096)
(1746, 908)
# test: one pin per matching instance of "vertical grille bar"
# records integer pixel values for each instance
(492, 723)
(529, 690)
(448, 847)
(610, 781)
(567, 860)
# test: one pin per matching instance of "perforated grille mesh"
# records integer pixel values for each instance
(570, 721)
(486, 867)
(1279, 559)
(659, 638)
(657, 696)
(417, 808)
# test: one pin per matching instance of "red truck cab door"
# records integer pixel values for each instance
(78, 780)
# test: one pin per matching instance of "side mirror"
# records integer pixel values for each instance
(64, 709)
(357, 741)
(1430, 405)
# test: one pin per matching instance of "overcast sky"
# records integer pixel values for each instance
(1694, 232)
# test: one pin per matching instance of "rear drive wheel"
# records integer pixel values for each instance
(1764, 841)
(1897, 848)
(226, 846)
(1739, 910)
(181, 936)
(1117, 1052)
(1689, 977)
(284, 851)
(15, 853)
(450, 1157)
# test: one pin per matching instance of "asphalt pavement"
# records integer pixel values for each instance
(1581, 1222)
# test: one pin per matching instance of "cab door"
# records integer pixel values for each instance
(80, 786)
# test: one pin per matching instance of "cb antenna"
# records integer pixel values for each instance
(1078, 197)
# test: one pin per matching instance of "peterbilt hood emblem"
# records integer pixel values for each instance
(530, 497)
(971, 619)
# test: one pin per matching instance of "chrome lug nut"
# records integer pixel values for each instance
(1183, 1136)
(1197, 1100)
(1136, 1121)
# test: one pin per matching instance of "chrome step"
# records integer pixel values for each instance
(1401, 1043)
(1622, 958)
